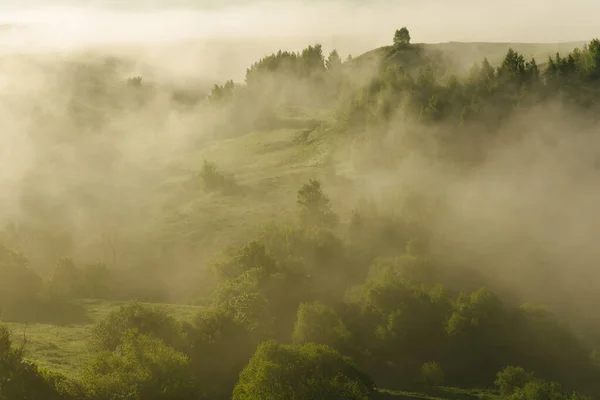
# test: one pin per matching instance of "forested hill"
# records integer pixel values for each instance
(475, 52)
(465, 54)
(389, 226)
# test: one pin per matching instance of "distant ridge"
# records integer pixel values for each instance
(468, 53)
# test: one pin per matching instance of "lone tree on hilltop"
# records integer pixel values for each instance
(402, 37)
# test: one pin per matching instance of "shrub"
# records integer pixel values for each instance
(315, 205)
(108, 334)
(214, 180)
(142, 367)
(214, 360)
(432, 374)
(512, 378)
(301, 372)
(317, 323)
(540, 390)
(20, 379)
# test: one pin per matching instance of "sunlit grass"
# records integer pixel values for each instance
(65, 348)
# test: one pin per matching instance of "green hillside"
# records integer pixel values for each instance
(390, 226)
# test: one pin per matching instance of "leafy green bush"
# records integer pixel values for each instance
(141, 367)
(512, 378)
(317, 323)
(432, 374)
(108, 333)
(540, 390)
(20, 379)
(219, 347)
(301, 372)
(260, 292)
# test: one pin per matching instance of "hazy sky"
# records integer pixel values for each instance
(78, 21)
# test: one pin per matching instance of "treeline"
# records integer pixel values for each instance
(486, 93)
(29, 296)
(305, 78)
(403, 82)
(312, 310)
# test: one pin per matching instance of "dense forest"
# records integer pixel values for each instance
(337, 291)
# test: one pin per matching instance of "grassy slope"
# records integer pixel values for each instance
(269, 167)
(65, 348)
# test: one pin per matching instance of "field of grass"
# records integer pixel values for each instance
(268, 168)
(441, 393)
(65, 348)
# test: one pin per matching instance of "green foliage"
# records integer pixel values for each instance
(399, 326)
(222, 93)
(301, 372)
(260, 292)
(474, 310)
(21, 380)
(330, 265)
(309, 61)
(510, 379)
(319, 324)
(432, 374)
(315, 205)
(402, 37)
(540, 390)
(68, 282)
(108, 333)
(334, 61)
(219, 347)
(24, 296)
(20, 287)
(141, 367)
(414, 86)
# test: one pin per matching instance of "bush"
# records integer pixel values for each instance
(214, 360)
(540, 390)
(301, 372)
(108, 334)
(214, 180)
(315, 205)
(260, 292)
(319, 324)
(432, 374)
(512, 378)
(142, 367)
(20, 379)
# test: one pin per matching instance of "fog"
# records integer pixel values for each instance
(351, 26)
(532, 198)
